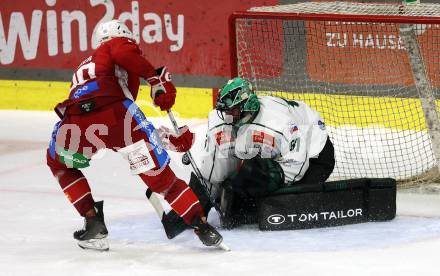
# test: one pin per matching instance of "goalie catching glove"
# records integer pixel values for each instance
(176, 142)
(163, 91)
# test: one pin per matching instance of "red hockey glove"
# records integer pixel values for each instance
(174, 142)
(163, 91)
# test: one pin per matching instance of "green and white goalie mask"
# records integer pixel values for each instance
(238, 100)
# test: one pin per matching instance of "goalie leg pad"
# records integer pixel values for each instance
(256, 178)
(328, 204)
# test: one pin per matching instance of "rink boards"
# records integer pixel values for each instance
(337, 110)
(44, 95)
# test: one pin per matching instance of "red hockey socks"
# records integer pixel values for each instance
(176, 192)
(183, 200)
(76, 188)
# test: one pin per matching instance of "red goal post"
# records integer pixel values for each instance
(371, 70)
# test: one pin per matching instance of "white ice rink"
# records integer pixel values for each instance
(37, 222)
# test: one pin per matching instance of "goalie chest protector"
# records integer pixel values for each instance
(328, 204)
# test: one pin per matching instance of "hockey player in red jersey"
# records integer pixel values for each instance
(100, 113)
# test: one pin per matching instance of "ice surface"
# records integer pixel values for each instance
(37, 224)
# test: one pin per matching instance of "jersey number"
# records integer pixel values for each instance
(84, 73)
(295, 144)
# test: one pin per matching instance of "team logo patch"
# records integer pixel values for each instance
(321, 125)
(276, 219)
(223, 137)
(85, 89)
(263, 138)
(72, 159)
(294, 129)
(139, 157)
(88, 106)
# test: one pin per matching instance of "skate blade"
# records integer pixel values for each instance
(224, 247)
(94, 244)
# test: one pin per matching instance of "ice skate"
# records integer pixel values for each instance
(94, 233)
(208, 235)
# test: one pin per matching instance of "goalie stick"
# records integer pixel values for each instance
(172, 223)
(205, 187)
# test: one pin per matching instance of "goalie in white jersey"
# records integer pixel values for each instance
(257, 145)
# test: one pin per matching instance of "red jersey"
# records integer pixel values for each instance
(110, 74)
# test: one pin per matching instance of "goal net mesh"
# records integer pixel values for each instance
(349, 62)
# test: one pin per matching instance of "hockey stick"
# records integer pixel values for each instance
(172, 223)
(205, 189)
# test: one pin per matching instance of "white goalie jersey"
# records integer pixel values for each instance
(290, 133)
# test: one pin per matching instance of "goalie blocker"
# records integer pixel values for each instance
(328, 204)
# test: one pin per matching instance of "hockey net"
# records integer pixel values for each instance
(371, 70)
